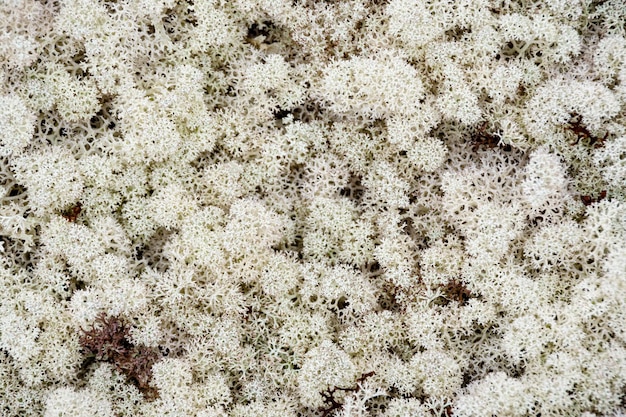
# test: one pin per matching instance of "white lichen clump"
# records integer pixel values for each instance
(352, 208)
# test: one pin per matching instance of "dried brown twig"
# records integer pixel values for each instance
(456, 290)
(329, 395)
(581, 132)
(108, 341)
(588, 200)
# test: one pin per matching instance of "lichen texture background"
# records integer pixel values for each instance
(313, 208)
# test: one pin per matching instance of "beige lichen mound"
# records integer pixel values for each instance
(284, 208)
(17, 124)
